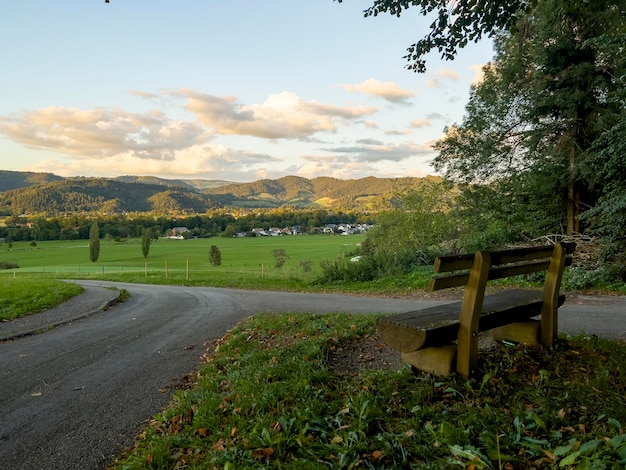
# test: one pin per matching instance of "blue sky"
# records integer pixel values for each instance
(233, 90)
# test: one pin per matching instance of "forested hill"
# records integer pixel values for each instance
(366, 193)
(43, 193)
(104, 196)
(20, 179)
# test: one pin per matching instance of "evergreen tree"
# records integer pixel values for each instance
(94, 242)
(215, 256)
(146, 238)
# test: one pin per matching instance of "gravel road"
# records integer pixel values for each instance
(74, 396)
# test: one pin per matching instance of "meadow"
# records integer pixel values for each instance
(244, 260)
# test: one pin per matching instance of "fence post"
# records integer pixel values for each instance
(187, 270)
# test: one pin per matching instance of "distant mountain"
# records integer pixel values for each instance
(101, 195)
(45, 193)
(20, 179)
(193, 184)
(366, 193)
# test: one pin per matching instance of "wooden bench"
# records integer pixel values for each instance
(434, 339)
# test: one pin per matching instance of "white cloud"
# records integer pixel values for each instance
(448, 74)
(378, 152)
(479, 72)
(442, 75)
(281, 116)
(198, 161)
(101, 132)
(387, 90)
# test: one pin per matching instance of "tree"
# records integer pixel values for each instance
(530, 126)
(423, 222)
(456, 23)
(215, 256)
(280, 257)
(606, 165)
(94, 242)
(146, 239)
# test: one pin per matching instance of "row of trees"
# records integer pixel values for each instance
(121, 227)
(94, 242)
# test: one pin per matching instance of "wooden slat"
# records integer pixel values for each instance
(453, 263)
(460, 279)
(464, 261)
(434, 326)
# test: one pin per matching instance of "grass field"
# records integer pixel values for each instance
(186, 260)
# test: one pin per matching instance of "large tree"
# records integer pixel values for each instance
(531, 125)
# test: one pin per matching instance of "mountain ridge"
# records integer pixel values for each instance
(46, 193)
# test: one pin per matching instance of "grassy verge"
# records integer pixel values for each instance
(269, 397)
(23, 296)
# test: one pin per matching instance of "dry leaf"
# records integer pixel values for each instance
(219, 445)
(263, 453)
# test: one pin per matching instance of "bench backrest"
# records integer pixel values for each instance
(504, 263)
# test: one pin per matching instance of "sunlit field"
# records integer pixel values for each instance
(188, 260)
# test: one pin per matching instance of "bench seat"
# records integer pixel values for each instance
(438, 325)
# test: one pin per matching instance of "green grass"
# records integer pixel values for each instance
(245, 261)
(23, 296)
(269, 398)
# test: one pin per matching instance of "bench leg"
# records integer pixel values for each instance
(528, 332)
(473, 296)
(437, 360)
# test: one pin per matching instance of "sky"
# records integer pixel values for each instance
(236, 90)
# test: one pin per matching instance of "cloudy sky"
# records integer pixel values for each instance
(235, 90)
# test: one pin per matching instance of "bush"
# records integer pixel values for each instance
(7, 265)
(376, 265)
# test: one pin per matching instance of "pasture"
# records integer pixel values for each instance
(244, 260)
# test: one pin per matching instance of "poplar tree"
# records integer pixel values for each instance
(146, 238)
(94, 242)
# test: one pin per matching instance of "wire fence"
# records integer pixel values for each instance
(163, 270)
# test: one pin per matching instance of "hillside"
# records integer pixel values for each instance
(369, 193)
(44, 193)
(20, 179)
(101, 195)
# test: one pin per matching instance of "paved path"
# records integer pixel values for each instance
(74, 396)
(603, 316)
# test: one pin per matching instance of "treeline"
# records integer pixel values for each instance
(122, 227)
